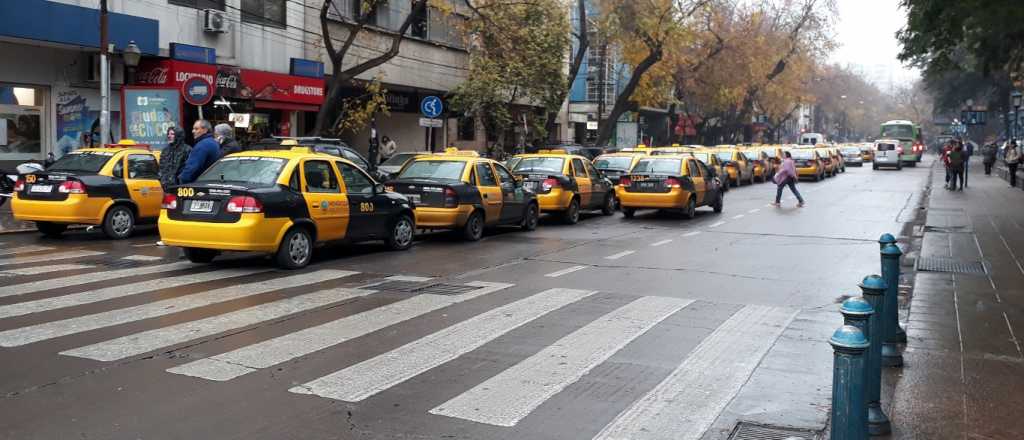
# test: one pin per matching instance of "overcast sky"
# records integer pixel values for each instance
(866, 34)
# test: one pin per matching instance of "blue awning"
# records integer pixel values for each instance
(74, 25)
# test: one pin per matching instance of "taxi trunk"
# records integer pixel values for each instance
(219, 217)
(437, 205)
(57, 197)
(554, 192)
(651, 191)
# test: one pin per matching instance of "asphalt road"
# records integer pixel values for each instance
(655, 327)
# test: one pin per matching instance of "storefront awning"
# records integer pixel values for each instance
(281, 90)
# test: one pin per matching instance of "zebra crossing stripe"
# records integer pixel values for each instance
(688, 401)
(24, 249)
(44, 269)
(48, 257)
(142, 258)
(509, 397)
(107, 293)
(151, 340)
(227, 366)
(374, 375)
(49, 330)
(91, 277)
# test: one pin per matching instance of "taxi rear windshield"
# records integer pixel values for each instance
(540, 165)
(802, 155)
(724, 155)
(254, 171)
(84, 162)
(434, 169)
(658, 166)
(613, 163)
(851, 150)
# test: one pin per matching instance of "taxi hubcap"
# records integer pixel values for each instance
(403, 232)
(121, 222)
(298, 248)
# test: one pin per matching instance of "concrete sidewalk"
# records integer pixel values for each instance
(9, 224)
(964, 372)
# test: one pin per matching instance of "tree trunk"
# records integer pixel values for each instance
(622, 101)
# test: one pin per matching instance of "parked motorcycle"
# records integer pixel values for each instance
(8, 180)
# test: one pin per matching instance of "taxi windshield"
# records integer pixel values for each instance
(658, 166)
(256, 171)
(434, 169)
(540, 164)
(851, 150)
(613, 163)
(81, 162)
(802, 155)
(724, 155)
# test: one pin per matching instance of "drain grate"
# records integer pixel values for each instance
(421, 287)
(399, 286)
(751, 431)
(949, 265)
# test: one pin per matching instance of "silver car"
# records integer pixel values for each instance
(888, 153)
(851, 156)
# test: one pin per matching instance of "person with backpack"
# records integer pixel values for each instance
(1012, 159)
(956, 160)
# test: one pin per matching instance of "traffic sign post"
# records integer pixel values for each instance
(431, 107)
(198, 92)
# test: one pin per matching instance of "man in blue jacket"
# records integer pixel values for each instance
(204, 153)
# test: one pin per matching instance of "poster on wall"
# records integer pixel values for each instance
(78, 121)
(149, 113)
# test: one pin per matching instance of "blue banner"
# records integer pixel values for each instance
(149, 113)
(195, 54)
(307, 68)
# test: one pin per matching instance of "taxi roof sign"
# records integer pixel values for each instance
(289, 143)
(127, 143)
(452, 151)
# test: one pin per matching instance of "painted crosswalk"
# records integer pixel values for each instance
(26, 259)
(39, 270)
(24, 249)
(91, 277)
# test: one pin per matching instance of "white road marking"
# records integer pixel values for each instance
(374, 375)
(148, 341)
(619, 255)
(44, 269)
(565, 271)
(659, 243)
(716, 224)
(738, 216)
(684, 405)
(24, 249)
(142, 258)
(49, 330)
(507, 398)
(753, 210)
(690, 234)
(48, 257)
(106, 293)
(227, 366)
(91, 277)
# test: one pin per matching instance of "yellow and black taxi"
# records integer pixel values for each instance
(772, 156)
(566, 184)
(117, 187)
(867, 152)
(284, 202)
(808, 163)
(614, 165)
(738, 167)
(714, 164)
(670, 182)
(462, 191)
(831, 168)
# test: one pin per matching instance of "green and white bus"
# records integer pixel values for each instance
(909, 135)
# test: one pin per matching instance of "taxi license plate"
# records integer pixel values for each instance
(41, 188)
(201, 206)
(647, 185)
(415, 198)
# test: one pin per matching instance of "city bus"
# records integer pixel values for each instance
(909, 135)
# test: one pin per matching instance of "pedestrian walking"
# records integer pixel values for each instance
(225, 136)
(988, 157)
(204, 153)
(786, 176)
(945, 160)
(956, 162)
(1012, 159)
(173, 157)
(388, 148)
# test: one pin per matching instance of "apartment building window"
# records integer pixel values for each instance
(265, 12)
(419, 24)
(199, 4)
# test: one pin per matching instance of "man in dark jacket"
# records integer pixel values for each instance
(203, 154)
(225, 136)
(172, 158)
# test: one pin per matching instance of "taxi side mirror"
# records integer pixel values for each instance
(379, 188)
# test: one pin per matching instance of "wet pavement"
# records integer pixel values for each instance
(652, 327)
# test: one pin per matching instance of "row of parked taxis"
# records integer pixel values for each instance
(290, 200)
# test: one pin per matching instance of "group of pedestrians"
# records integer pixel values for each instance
(955, 157)
(183, 163)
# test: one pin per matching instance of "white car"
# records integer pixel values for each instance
(888, 153)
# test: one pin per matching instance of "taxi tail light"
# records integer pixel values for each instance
(244, 204)
(19, 185)
(625, 181)
(72, 187)
(549, 183)
(672, 182)
(170, 202)
(451, 199)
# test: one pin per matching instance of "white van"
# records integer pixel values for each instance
(812, 139)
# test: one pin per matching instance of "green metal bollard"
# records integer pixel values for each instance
(873, 289)
(885, 240)
(891, 356)
(848, 407)
(857, 313)
(901, 335)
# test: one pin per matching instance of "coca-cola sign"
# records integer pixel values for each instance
(173, 73)
(229, 79)
(156, 75)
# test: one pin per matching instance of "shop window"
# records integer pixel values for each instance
(419, 25)
(265, 12)
(467, 129)
(199, 4)
(21, 124)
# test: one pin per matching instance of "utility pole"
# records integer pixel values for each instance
(104, 76)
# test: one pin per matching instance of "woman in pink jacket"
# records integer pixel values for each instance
(787, 177)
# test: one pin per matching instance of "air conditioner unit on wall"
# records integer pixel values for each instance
(214, 21)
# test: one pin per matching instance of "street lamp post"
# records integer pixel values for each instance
(132, 55)
(1015, 99)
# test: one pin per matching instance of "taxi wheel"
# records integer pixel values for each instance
(296, 249)
(691, 209)
(628, 212)
(474, 229)
(719, 203)
(197, 255)
(571, 216)
(532, 217)
(609, 205)
(401, 234)
(119, 222)
(51, 229)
